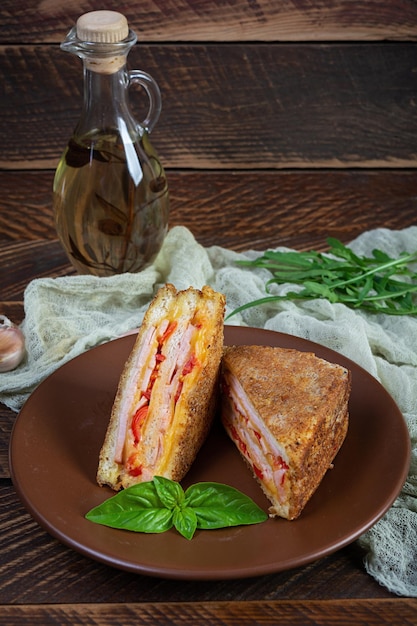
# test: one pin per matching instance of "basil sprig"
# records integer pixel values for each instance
(158, 505)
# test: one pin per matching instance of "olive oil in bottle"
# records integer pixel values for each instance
(110, 194)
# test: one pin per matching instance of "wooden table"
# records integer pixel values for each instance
(281, 125)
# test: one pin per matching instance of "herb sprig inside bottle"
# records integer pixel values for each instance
(378, 284)
(110, 191)
(158, 505)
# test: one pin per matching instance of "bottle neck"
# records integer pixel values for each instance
(105, 100)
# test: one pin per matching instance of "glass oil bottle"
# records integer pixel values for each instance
(110, 193)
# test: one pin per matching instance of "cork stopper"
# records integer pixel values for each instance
(102, 27)
(102, 39)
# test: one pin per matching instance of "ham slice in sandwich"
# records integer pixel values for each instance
(287, 413)
(166, 396)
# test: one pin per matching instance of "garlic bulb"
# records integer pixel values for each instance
(12, 345)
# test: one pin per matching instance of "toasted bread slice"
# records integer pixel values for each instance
(166, 396)
(287, 413)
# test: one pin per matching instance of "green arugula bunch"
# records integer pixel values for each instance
(379, 284)
(158, 505)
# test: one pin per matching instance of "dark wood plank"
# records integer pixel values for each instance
(231, 106)
(23, 262)
(239, 210)
(208, 20)
(7, 419)
(313, 612)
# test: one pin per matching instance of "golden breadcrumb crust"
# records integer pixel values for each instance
(303, 401)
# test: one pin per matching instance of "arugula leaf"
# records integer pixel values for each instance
(158, 505)
(378, 284)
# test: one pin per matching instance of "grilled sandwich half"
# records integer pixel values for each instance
(166, 396)
(287, 413)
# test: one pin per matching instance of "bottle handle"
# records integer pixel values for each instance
(155, 103)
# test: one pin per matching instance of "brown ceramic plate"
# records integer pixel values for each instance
(58, 434)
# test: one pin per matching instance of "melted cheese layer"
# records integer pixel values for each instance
(175, 365)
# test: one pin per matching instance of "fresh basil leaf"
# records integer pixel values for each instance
(156, 506)
(217, 506)
(137, 508)
(185, 521)
(170, 492)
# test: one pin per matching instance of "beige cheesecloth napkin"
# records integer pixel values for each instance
(66, 316)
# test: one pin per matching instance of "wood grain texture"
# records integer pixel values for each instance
(236, 209)
(209, 20)
(231, 106)
(285, 613)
